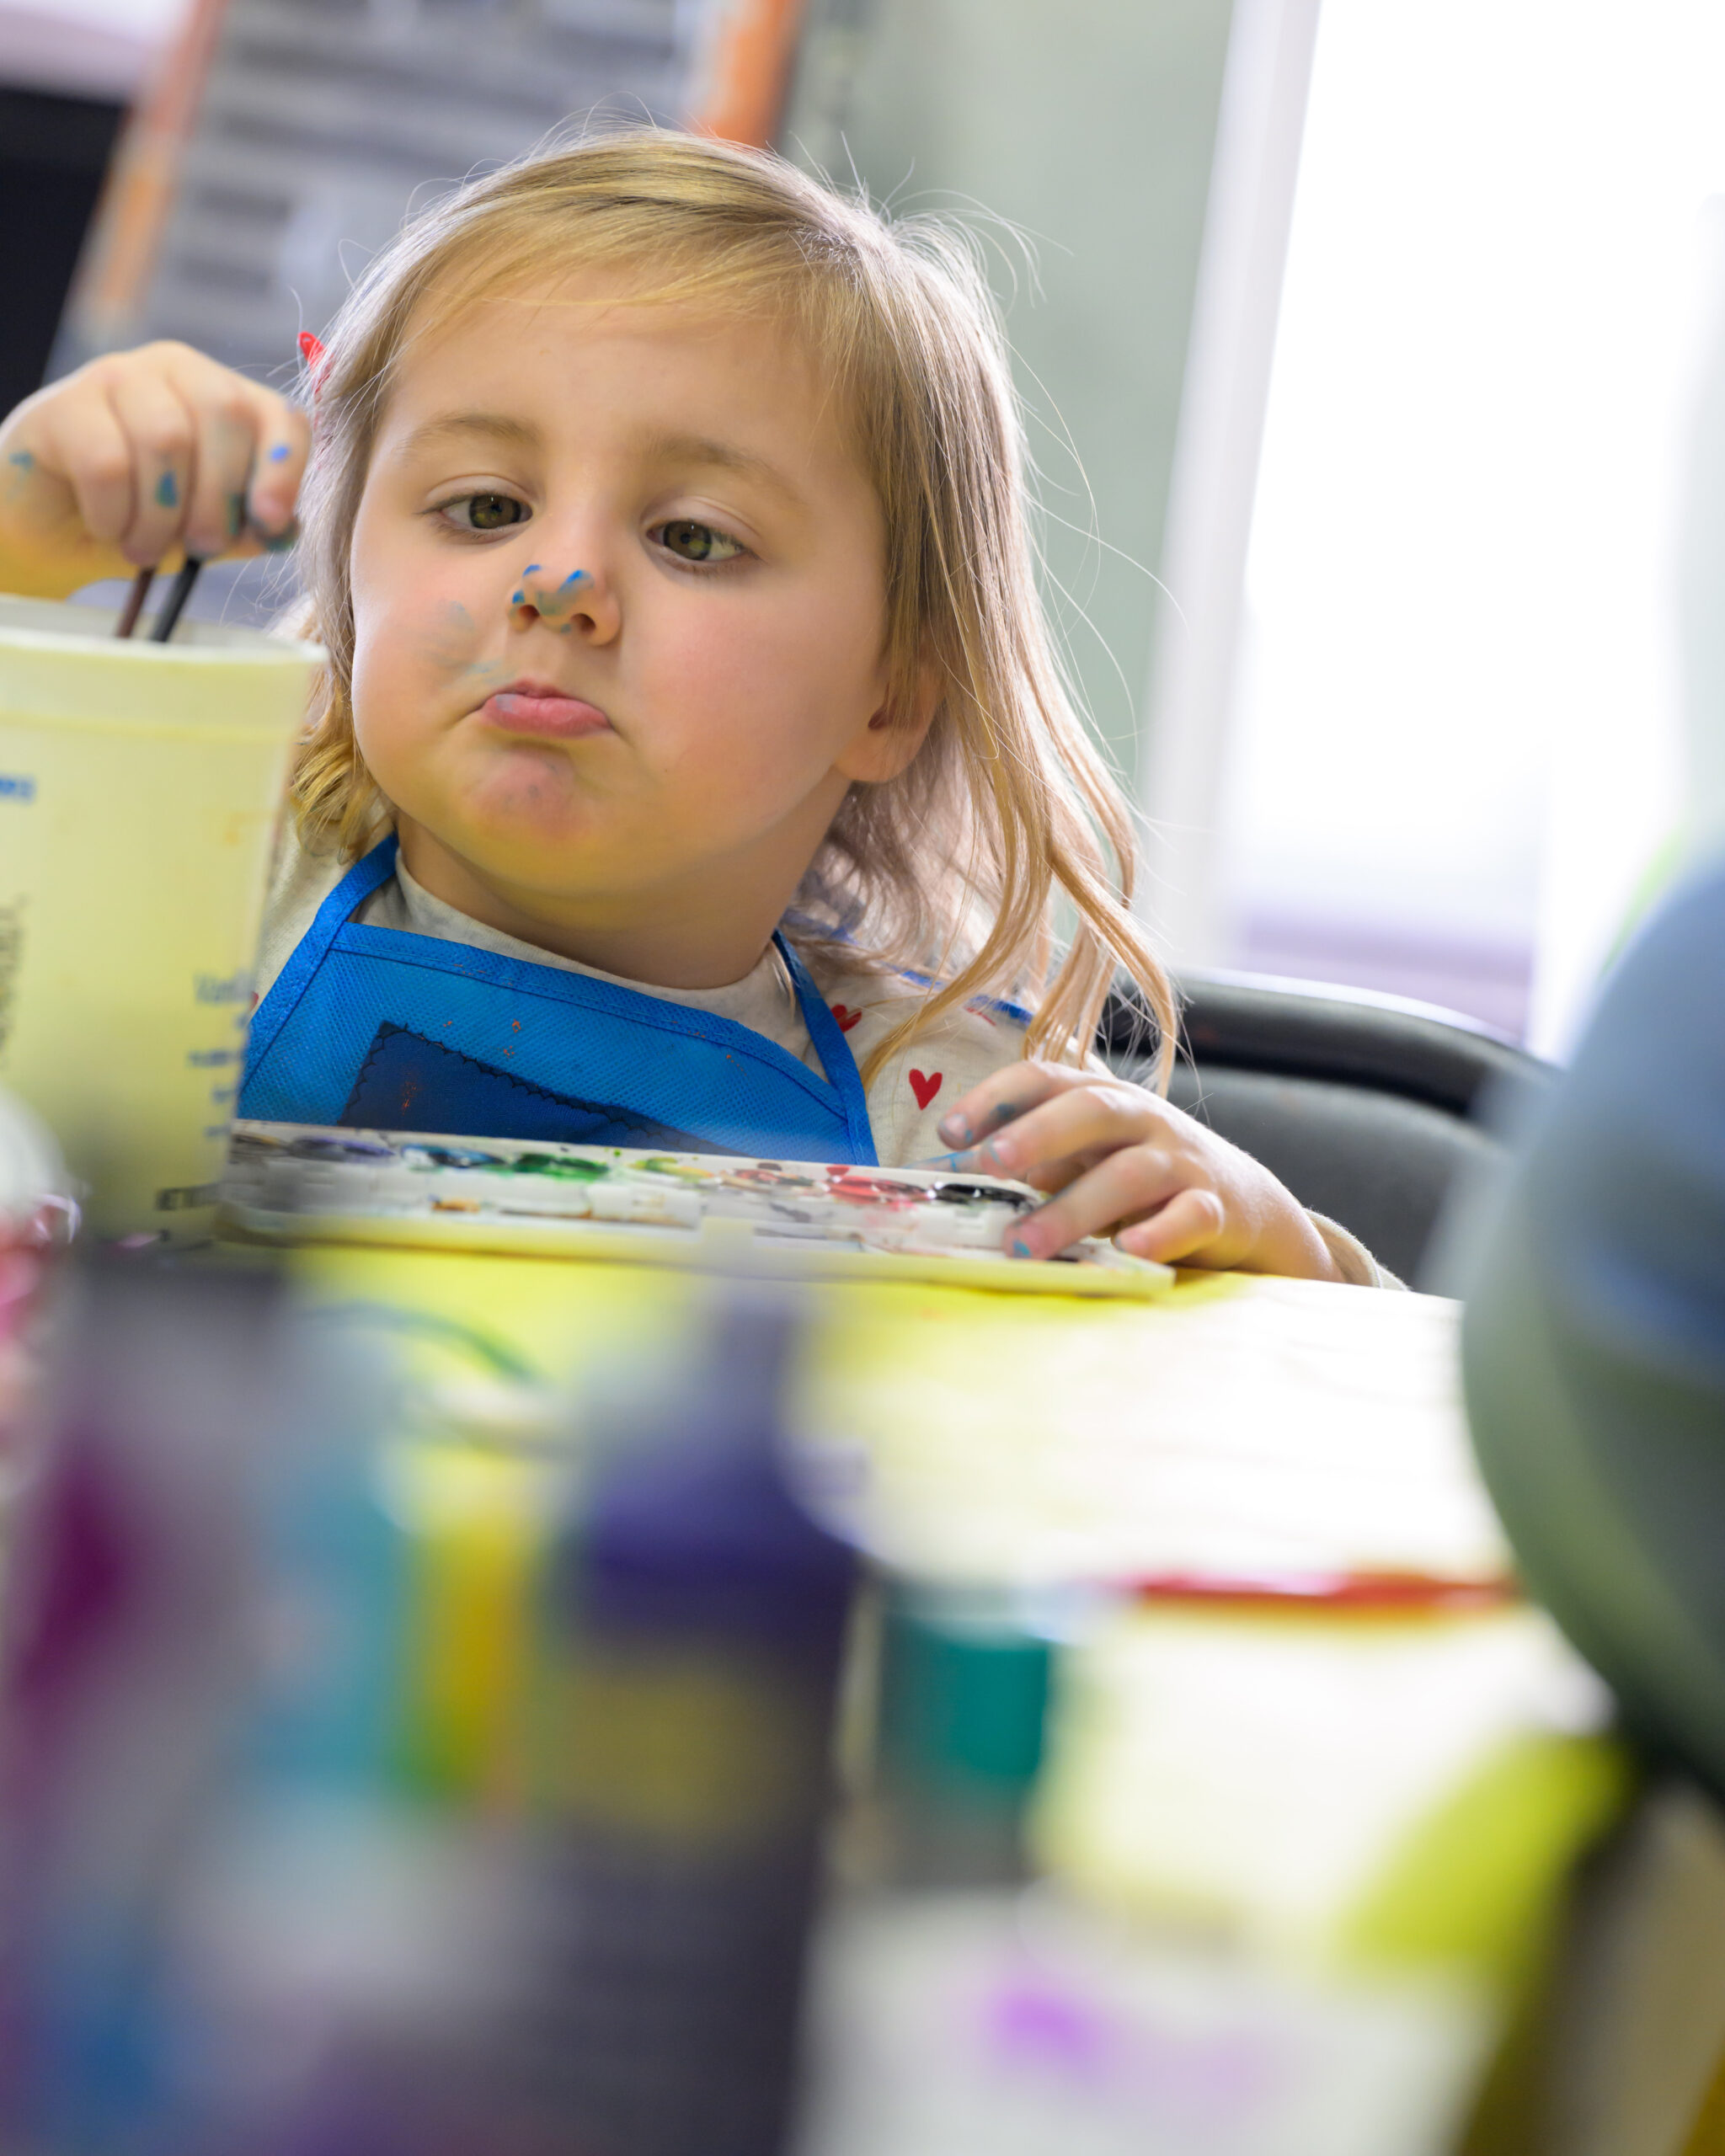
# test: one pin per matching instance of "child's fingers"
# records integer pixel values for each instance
(1002, 1096)
(1124, 1186)
(1186, 1228)
(162, 434)
(1076, 1121)
(284, 442)
(215, 505)
(82, 449)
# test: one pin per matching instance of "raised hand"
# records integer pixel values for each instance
(140, 458)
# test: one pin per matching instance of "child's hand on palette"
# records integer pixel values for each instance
(138, 458)
(1126, 1163)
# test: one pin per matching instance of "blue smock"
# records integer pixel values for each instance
(386, 1030)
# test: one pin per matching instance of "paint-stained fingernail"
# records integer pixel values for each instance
(1021, 1247)
(1003, 1152)
(955, 1128)
(278, 454)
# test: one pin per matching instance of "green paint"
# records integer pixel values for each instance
(547, 1163)
(168, 492)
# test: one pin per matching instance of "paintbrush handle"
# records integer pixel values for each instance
(134, 602)
(179, 592)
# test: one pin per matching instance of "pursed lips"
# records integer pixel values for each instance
(538, 708)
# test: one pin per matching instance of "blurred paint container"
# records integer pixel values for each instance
(139, 786)
(128, 1594)
(696, 1619)
(965, 1690)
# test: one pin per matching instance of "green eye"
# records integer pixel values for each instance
(697, 543)
(492, 512)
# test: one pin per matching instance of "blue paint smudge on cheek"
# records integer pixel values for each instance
(452, 637)
(168, 492)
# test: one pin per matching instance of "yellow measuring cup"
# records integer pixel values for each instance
(139, 788)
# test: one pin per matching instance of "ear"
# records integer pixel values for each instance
(887, 744)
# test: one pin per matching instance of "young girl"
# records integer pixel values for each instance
(692, 767)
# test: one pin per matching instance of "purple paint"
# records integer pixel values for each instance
(1036, 2023)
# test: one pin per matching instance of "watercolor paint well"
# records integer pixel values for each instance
(709, 1211)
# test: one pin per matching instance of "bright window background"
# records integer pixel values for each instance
(1457, 746)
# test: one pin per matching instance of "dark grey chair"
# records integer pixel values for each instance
(1367, 1106)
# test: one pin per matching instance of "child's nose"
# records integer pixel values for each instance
(557, 599)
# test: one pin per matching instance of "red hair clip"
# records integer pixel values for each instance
(316, 354)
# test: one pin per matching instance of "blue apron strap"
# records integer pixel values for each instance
(296, 977)
(835, 1052)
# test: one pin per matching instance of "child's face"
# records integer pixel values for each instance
(619, 605)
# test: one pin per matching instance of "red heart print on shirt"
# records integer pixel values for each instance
(847, 1018)
(925, 1087)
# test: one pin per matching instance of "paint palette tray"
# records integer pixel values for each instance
(294, 1183)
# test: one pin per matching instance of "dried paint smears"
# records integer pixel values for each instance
(553, 607)
(450, 645)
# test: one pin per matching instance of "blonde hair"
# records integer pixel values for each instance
(956, 868)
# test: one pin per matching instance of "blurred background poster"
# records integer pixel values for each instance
(1360, 347)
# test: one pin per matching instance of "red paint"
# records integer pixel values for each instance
(1366, 1591)
(847, 1018)
(924, 1088)
(861, 1188)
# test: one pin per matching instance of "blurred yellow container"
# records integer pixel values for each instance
(139, 786)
